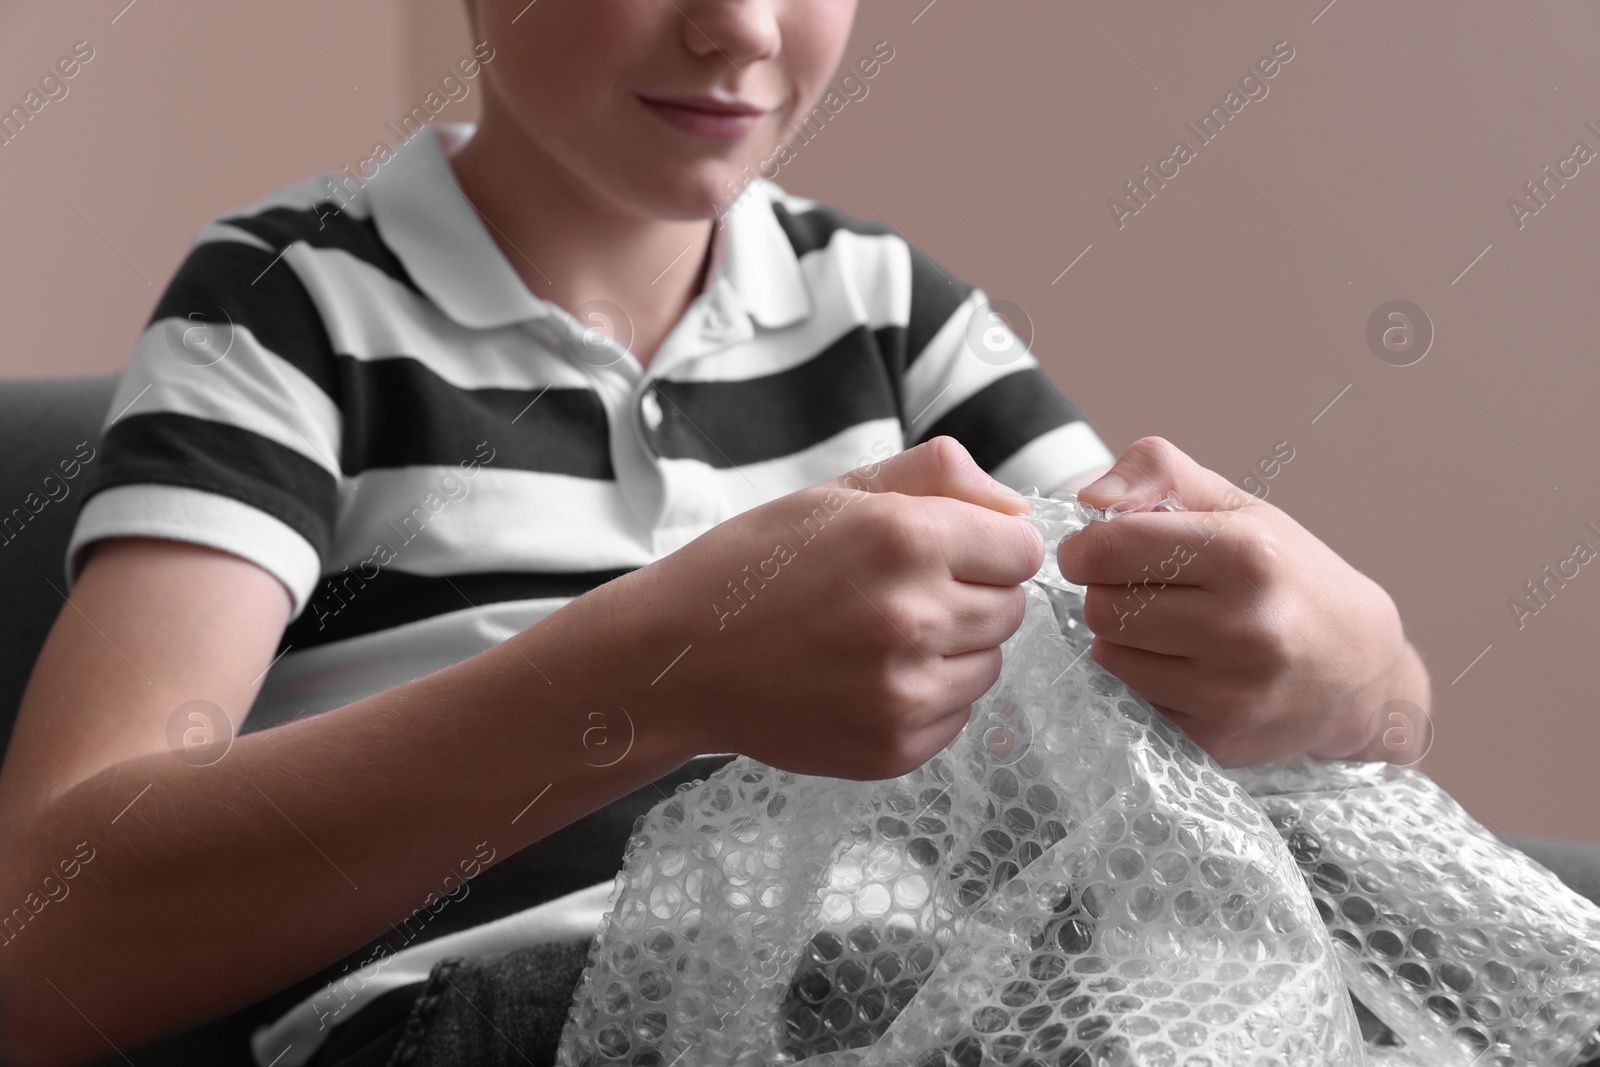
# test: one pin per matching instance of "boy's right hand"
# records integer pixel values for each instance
(856, 653)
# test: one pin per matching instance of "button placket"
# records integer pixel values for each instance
(650, 408)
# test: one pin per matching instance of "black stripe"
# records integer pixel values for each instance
(173, 449)
(399, 413)
(735, 423)
(324, 225)
(1004, 415)
(369, 596)
(227, 277)
(935, 296)
(891, 342)
(813, 228)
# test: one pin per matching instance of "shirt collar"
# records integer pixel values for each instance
(427, 221)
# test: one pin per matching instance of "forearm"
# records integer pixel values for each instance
(218, 885)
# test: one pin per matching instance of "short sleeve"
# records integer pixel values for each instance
(225, 427)
(970, 376)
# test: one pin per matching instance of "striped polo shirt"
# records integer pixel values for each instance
(349, 384)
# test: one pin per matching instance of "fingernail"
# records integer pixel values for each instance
(1005, 490)
(1109, 485)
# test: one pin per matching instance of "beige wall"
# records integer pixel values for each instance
(1226, 315)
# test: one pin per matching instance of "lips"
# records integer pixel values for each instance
(704, 116)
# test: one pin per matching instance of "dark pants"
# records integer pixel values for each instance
(505, 1011)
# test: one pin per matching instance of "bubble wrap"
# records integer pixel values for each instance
(1073, 882)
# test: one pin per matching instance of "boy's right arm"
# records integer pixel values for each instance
(209, 887)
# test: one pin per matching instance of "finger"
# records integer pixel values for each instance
(982, 617)
(1151, 467)
(1182, 690)
(940, 466)
(1173, 620)
(1215, 549)
(1162, 680)
(929, 741)
(968, 675)
(982, 546)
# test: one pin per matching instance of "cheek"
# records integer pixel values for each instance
(814, 39)
(562, 66)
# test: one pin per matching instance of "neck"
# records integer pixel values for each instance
(571, 245)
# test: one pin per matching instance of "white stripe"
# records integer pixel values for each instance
(370, 316)
(793, 202)
(948, 372)
(496, 520)
(249, 387)
(221, 231)
(1052, 459)
(858, 280)
(197, 516)
(854, 281)
(435, 521)
(734, 491)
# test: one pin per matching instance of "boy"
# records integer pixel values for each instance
(530, 479)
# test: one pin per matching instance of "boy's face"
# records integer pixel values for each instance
(591, 84)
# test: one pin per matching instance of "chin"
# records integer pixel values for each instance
(687, 194)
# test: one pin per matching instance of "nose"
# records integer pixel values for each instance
(742, 31)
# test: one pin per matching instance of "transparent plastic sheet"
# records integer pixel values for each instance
(1074, 882)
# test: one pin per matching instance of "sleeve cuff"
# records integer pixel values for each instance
(203, 518)
(1052, 459)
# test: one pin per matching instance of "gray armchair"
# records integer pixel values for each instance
(42, 421)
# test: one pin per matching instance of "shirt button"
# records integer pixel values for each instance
(651, 409)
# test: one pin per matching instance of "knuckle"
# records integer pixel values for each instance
(1153, 452)
(948, 456)
(894, 534)
(899, 702)
(914, 619)
(1258, 553)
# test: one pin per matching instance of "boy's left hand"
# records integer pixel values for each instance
(1240, 625)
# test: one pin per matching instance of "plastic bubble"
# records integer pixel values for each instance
(1073, 881)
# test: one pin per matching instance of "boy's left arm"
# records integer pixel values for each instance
(1241, 626)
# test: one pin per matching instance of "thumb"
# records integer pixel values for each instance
(1153, 466)
(940, 466)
